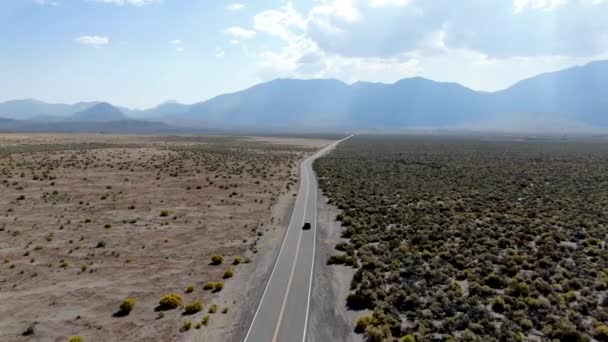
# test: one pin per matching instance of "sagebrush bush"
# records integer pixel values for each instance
(126, 306)
(228, 274)
(76, 339)
(213, 308)
(217, 260)
(194, 307)
(218, 286)
(189, 289)
(186, 326)
(170, 301)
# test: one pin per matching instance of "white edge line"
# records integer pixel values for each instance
(293, 268)
(312, 268)
(314, 245)
(281, 251)
(275, 264)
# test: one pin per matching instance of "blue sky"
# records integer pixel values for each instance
(139, 53)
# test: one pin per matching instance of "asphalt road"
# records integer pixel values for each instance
(283, 311)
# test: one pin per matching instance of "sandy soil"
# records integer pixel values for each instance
(329, 318)
(89, 220)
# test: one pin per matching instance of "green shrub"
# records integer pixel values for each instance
(190, 289)
(208, 286)
(362, 324)
(170, 301)
(498, 305)
(217, 260)
(601, 333)
(76, 339)
(186, 326)
(205, 320)
(213, 309)
(194, 307)
(237, 260)
(164, 213)
(564, 331)
(408, 338)
(218, 286)
(228, 274)
(126, 306)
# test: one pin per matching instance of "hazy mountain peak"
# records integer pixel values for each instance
(101, 112)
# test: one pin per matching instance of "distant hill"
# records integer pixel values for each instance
(574, 98)
(167, 109)
(101, 112)
(577, 93)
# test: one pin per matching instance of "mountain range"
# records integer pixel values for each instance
(570, 99)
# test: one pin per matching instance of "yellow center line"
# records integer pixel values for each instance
(293, 267)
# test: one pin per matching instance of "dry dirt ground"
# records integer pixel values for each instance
(89, 220)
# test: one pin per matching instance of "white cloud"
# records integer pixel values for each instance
(301, 56)
(235, 7)
(175, 42)
(386, 40)
(281, 22)
(129, 2)
(382, 3)
(520, 5)
(96, 41)
(47, 2)
(240, 33)
(219, 53)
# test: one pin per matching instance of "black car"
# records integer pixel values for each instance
(306, 226)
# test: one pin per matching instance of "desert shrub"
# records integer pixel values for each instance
(362, 324)
(186, 326)
(225, 310)
(359, 300)
(378, 334)
(213, 308)
(29, 330)
(205, 320)
(164, 213)
(564, 331)
(228, 274)
(126, 306)
(190, 289)
(76, 339)
(194, 307)
(237, 260)
(107, 226)
(218, 286)
(170, 301)
(208, 286)
(601, 333)
(498, 304)
(217, 260)
(408, 338)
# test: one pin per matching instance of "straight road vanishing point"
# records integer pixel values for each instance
(282, 314)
